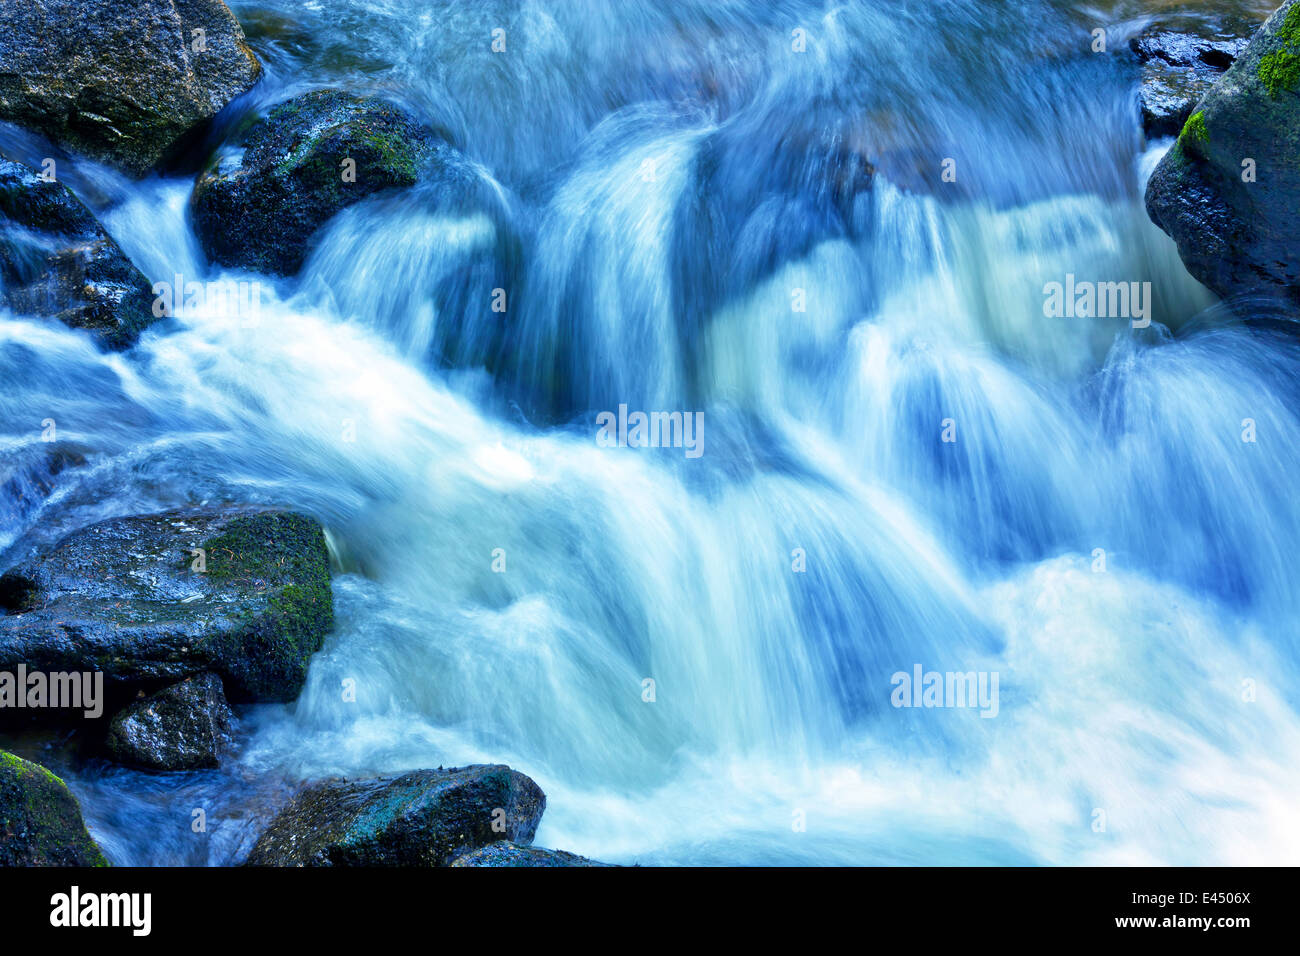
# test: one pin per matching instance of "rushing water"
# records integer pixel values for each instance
(650, 182)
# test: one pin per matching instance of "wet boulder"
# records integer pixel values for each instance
(306, 160)
(423, 818)
(1226, 192)
(154, 599)
(182, 727)
(505, 854)
(121, 82)
(40, 820)
(1182, 57)
(56, 261)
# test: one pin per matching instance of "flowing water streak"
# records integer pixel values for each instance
(649, 182)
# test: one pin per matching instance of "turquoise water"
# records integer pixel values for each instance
(654, 185)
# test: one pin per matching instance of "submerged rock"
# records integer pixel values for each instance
(182, 727)
(1182, 57)
(121, 82)
(511, 854)
(40, 820)
(158, 598)
(259, 210)
(28, 475)
(423, 818)
(1226, 192)
(57, 261)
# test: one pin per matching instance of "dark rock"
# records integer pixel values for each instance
(123, 597)
(511, 854)
(423, 818)
(57, 261)
(1236, 236)
(182, 727)
(120, 82)
(40, 821)
(260, 209)
(1183, 56)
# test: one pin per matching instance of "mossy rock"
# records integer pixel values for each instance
(1183, 53)
(260, 210)
(40, 820)
(422, 818)
(123, 83)
(154, 599)
(1226, 192)
(56, 261)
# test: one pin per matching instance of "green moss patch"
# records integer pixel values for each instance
(1280, 70)
(1194, 130)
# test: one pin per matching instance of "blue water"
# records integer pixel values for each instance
(653, 184)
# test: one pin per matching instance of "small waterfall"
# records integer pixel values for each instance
(683, 213)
